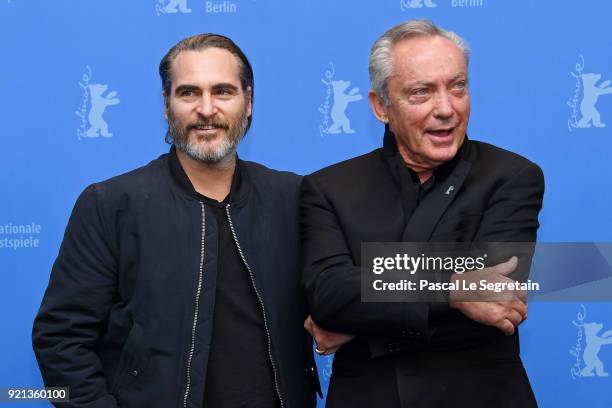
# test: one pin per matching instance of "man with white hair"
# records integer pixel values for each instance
(428, 183)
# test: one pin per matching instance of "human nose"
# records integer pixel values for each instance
(443, 106)
(206, 105)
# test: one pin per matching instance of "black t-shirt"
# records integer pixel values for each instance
(413, 191)
(239, 370)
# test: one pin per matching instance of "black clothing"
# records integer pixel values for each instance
(415, 354)
(127, 318)
(239, 372)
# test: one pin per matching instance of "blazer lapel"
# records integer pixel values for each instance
(425, 218)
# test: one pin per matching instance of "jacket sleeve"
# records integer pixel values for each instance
(77, 301)
(512, 216)
(512, 211)
(332, 281)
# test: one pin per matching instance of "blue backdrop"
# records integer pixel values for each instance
(81, 101)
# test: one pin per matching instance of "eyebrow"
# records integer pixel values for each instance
(185, 87)
(225, 85)
(461, 75)
(216, 87)
(427, 84)
(418, 83)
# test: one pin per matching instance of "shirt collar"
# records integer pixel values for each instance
(238, 190)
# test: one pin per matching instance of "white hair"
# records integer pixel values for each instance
(380, 65)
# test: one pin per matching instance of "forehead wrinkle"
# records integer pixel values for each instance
(413, 54)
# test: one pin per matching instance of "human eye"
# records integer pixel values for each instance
(460, 86)
(187, 92)
(225, 91)
(418, 95)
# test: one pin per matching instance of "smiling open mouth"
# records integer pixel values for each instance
(442, 132)
(208, 126)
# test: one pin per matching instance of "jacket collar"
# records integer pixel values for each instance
(240, 181)
(449, 180)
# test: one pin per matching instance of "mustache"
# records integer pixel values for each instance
(214, 122)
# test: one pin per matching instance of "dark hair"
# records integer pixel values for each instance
(200, 42)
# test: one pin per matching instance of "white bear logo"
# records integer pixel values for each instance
(408, 4)
(99, 102)
(591, 359)
(341, 100)
(592, 92)
(333, 108)
(173, 6)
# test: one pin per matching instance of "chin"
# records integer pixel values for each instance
(442, 155)
(208, 144)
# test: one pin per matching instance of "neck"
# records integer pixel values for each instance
(422, 170)
(424, 175)
(211, 180)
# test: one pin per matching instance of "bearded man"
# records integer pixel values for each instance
(177, 284)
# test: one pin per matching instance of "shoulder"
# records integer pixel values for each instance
(142, 180)
(503, 171)
(269, 179)
(490, 158)
(348, 171)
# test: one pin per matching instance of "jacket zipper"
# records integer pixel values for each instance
(259, 298)
(197, 308)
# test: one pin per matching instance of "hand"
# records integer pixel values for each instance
(327, 342)
(504, 310)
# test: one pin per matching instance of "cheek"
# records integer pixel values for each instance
(463, 107)
(234, 108)
(409, 128)
(405, 117)
(415, 125)
(182, 114)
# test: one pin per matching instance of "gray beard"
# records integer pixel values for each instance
(215, 156)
